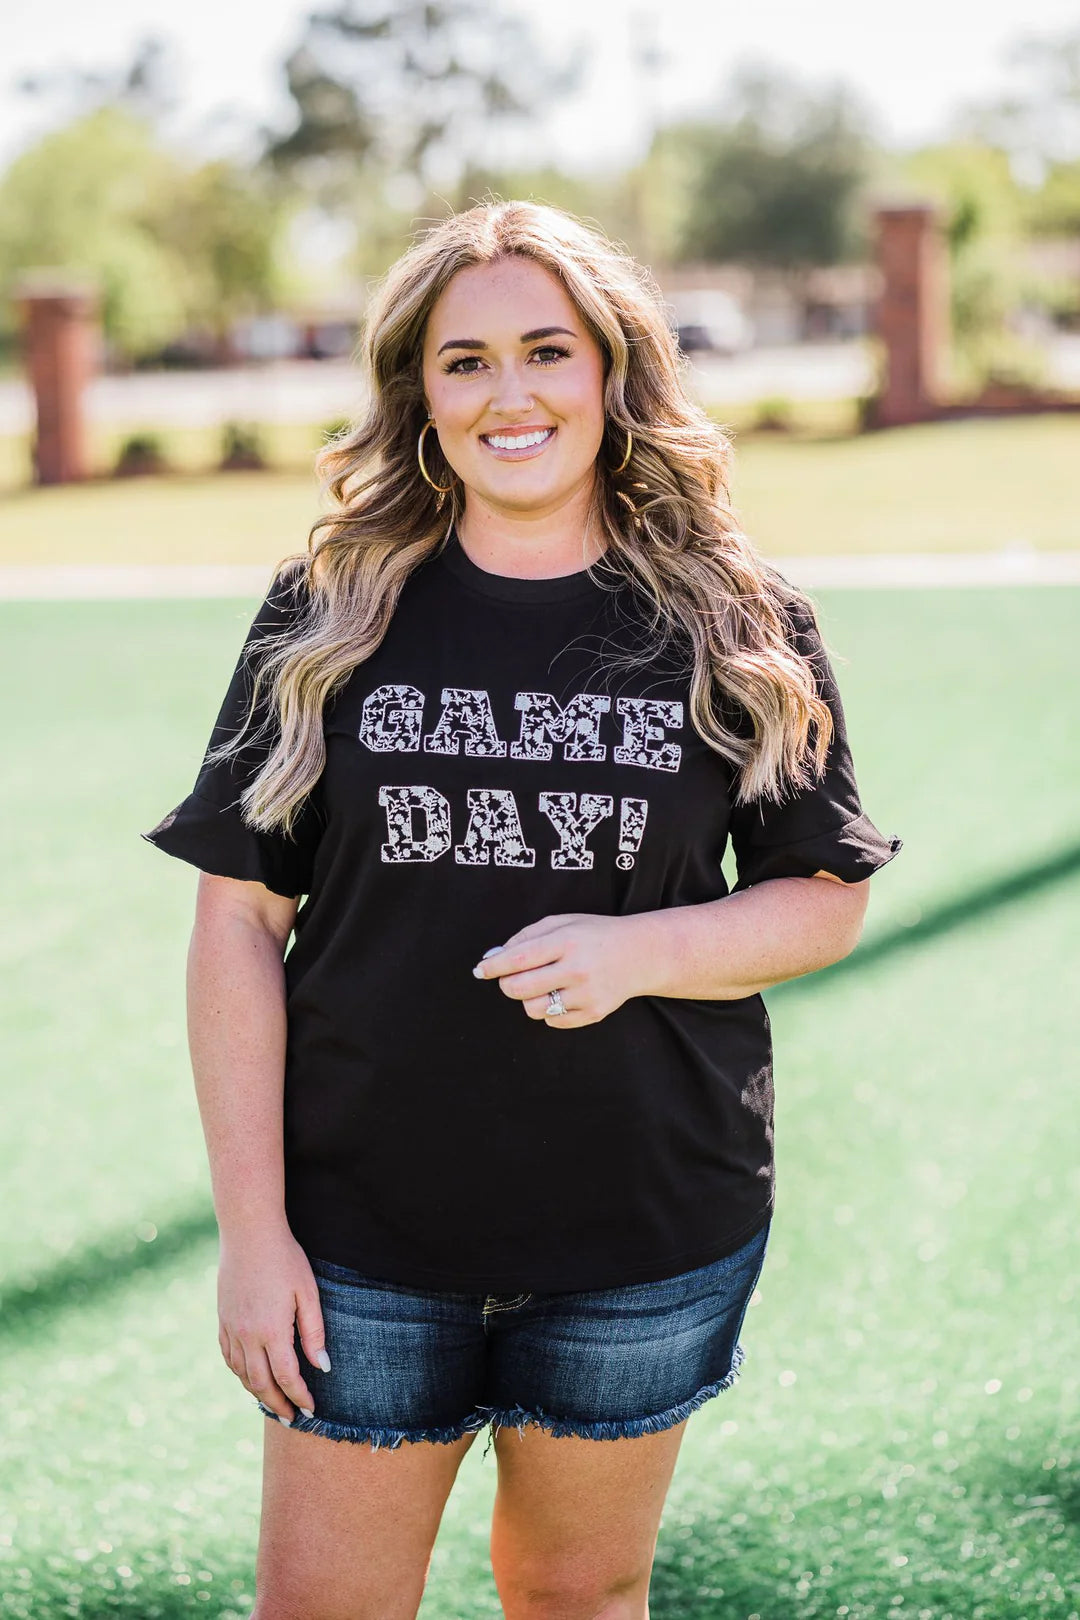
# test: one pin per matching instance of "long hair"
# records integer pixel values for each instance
(667, 520)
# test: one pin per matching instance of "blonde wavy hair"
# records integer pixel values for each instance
(667, 520)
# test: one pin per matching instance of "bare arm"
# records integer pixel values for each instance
(236, 1035)
(747, 942)
(716, 950)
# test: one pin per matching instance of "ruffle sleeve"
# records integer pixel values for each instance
(207, 828)
(821, 828)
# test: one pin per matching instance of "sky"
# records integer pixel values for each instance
(911, 64)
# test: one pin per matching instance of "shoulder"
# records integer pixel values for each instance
(287, 598)
(799, 617)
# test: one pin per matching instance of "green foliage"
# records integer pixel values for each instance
(242, 447)
(408, 88)
(140, 453)
(393, 103)
(170, 247)
(224, 223)
(774, 414)
(776, 178)
(1055, 207)
(86, 197)
(983, 217)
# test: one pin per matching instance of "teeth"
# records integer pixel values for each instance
(516, 441)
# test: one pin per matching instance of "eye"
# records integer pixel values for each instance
(552, 348)
(456, 365)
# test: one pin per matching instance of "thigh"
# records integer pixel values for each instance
(347, 1529)
(353, 1496)
(576, 1521)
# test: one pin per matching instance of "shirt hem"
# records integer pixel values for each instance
(658, 1270)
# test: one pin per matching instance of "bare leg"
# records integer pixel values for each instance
(347, 1532)
(576, 1521)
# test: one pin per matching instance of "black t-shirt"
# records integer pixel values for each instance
(488, 766)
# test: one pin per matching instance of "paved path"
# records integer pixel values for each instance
(1011, 566)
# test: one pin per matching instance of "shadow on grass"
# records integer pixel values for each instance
(933, 922)
(96, 1269)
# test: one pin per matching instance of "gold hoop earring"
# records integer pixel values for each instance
(443, 489)
(629, 446)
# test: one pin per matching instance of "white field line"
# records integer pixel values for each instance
(1012, 566)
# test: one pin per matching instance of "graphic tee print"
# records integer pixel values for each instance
(498, 761)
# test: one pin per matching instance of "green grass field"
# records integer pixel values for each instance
(947, 486)
(903, 1440)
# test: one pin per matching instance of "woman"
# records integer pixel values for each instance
(493, 1143)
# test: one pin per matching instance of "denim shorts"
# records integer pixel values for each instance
(408, 1364)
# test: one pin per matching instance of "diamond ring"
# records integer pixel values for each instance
(554, 1006)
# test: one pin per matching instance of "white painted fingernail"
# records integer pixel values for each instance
(322, 1360)
(493, 952)
(287, 1421)
(307, 1411)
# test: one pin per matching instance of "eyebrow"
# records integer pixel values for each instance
(526, 337)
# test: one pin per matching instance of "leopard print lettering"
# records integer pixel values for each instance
(643, 737)
(573, 827)
(392, 719)
(577, 726)
(493, 821)
(399, 803)
(468, 710)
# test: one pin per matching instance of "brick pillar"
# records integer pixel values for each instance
(911, 315)
(62, 347)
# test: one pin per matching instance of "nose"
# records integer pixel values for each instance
(511, 396)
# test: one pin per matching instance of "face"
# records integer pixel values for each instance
(515, 383)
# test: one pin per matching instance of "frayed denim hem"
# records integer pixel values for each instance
(517, 1416)
(389, 1439)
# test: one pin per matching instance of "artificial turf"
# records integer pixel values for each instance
(902, 1439)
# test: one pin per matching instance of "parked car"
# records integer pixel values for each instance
(712, 321)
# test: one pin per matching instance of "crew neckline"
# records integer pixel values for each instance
(511, 588)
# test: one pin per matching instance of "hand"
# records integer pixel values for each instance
(264, 1285)
(593, 960)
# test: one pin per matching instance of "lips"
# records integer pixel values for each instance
(520, 444)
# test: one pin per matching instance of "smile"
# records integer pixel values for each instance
(518, 446)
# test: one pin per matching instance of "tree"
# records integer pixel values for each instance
(413, 91)
(225, 223)
(170, 246)
(778, 177)
(86, 197)
(1037, 121)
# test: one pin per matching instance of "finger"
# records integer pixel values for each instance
(527, 986)
(263, 1385)
(234, 1356)
(309, 1321)
(538, 1008)
(543, 925)
(285, 1369)
(536, 953)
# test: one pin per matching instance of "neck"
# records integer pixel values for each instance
(542, 544)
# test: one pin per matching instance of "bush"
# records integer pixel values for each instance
(773, 415)
(139, 455)
(242, 448)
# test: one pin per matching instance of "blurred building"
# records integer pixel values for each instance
(722, 309)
